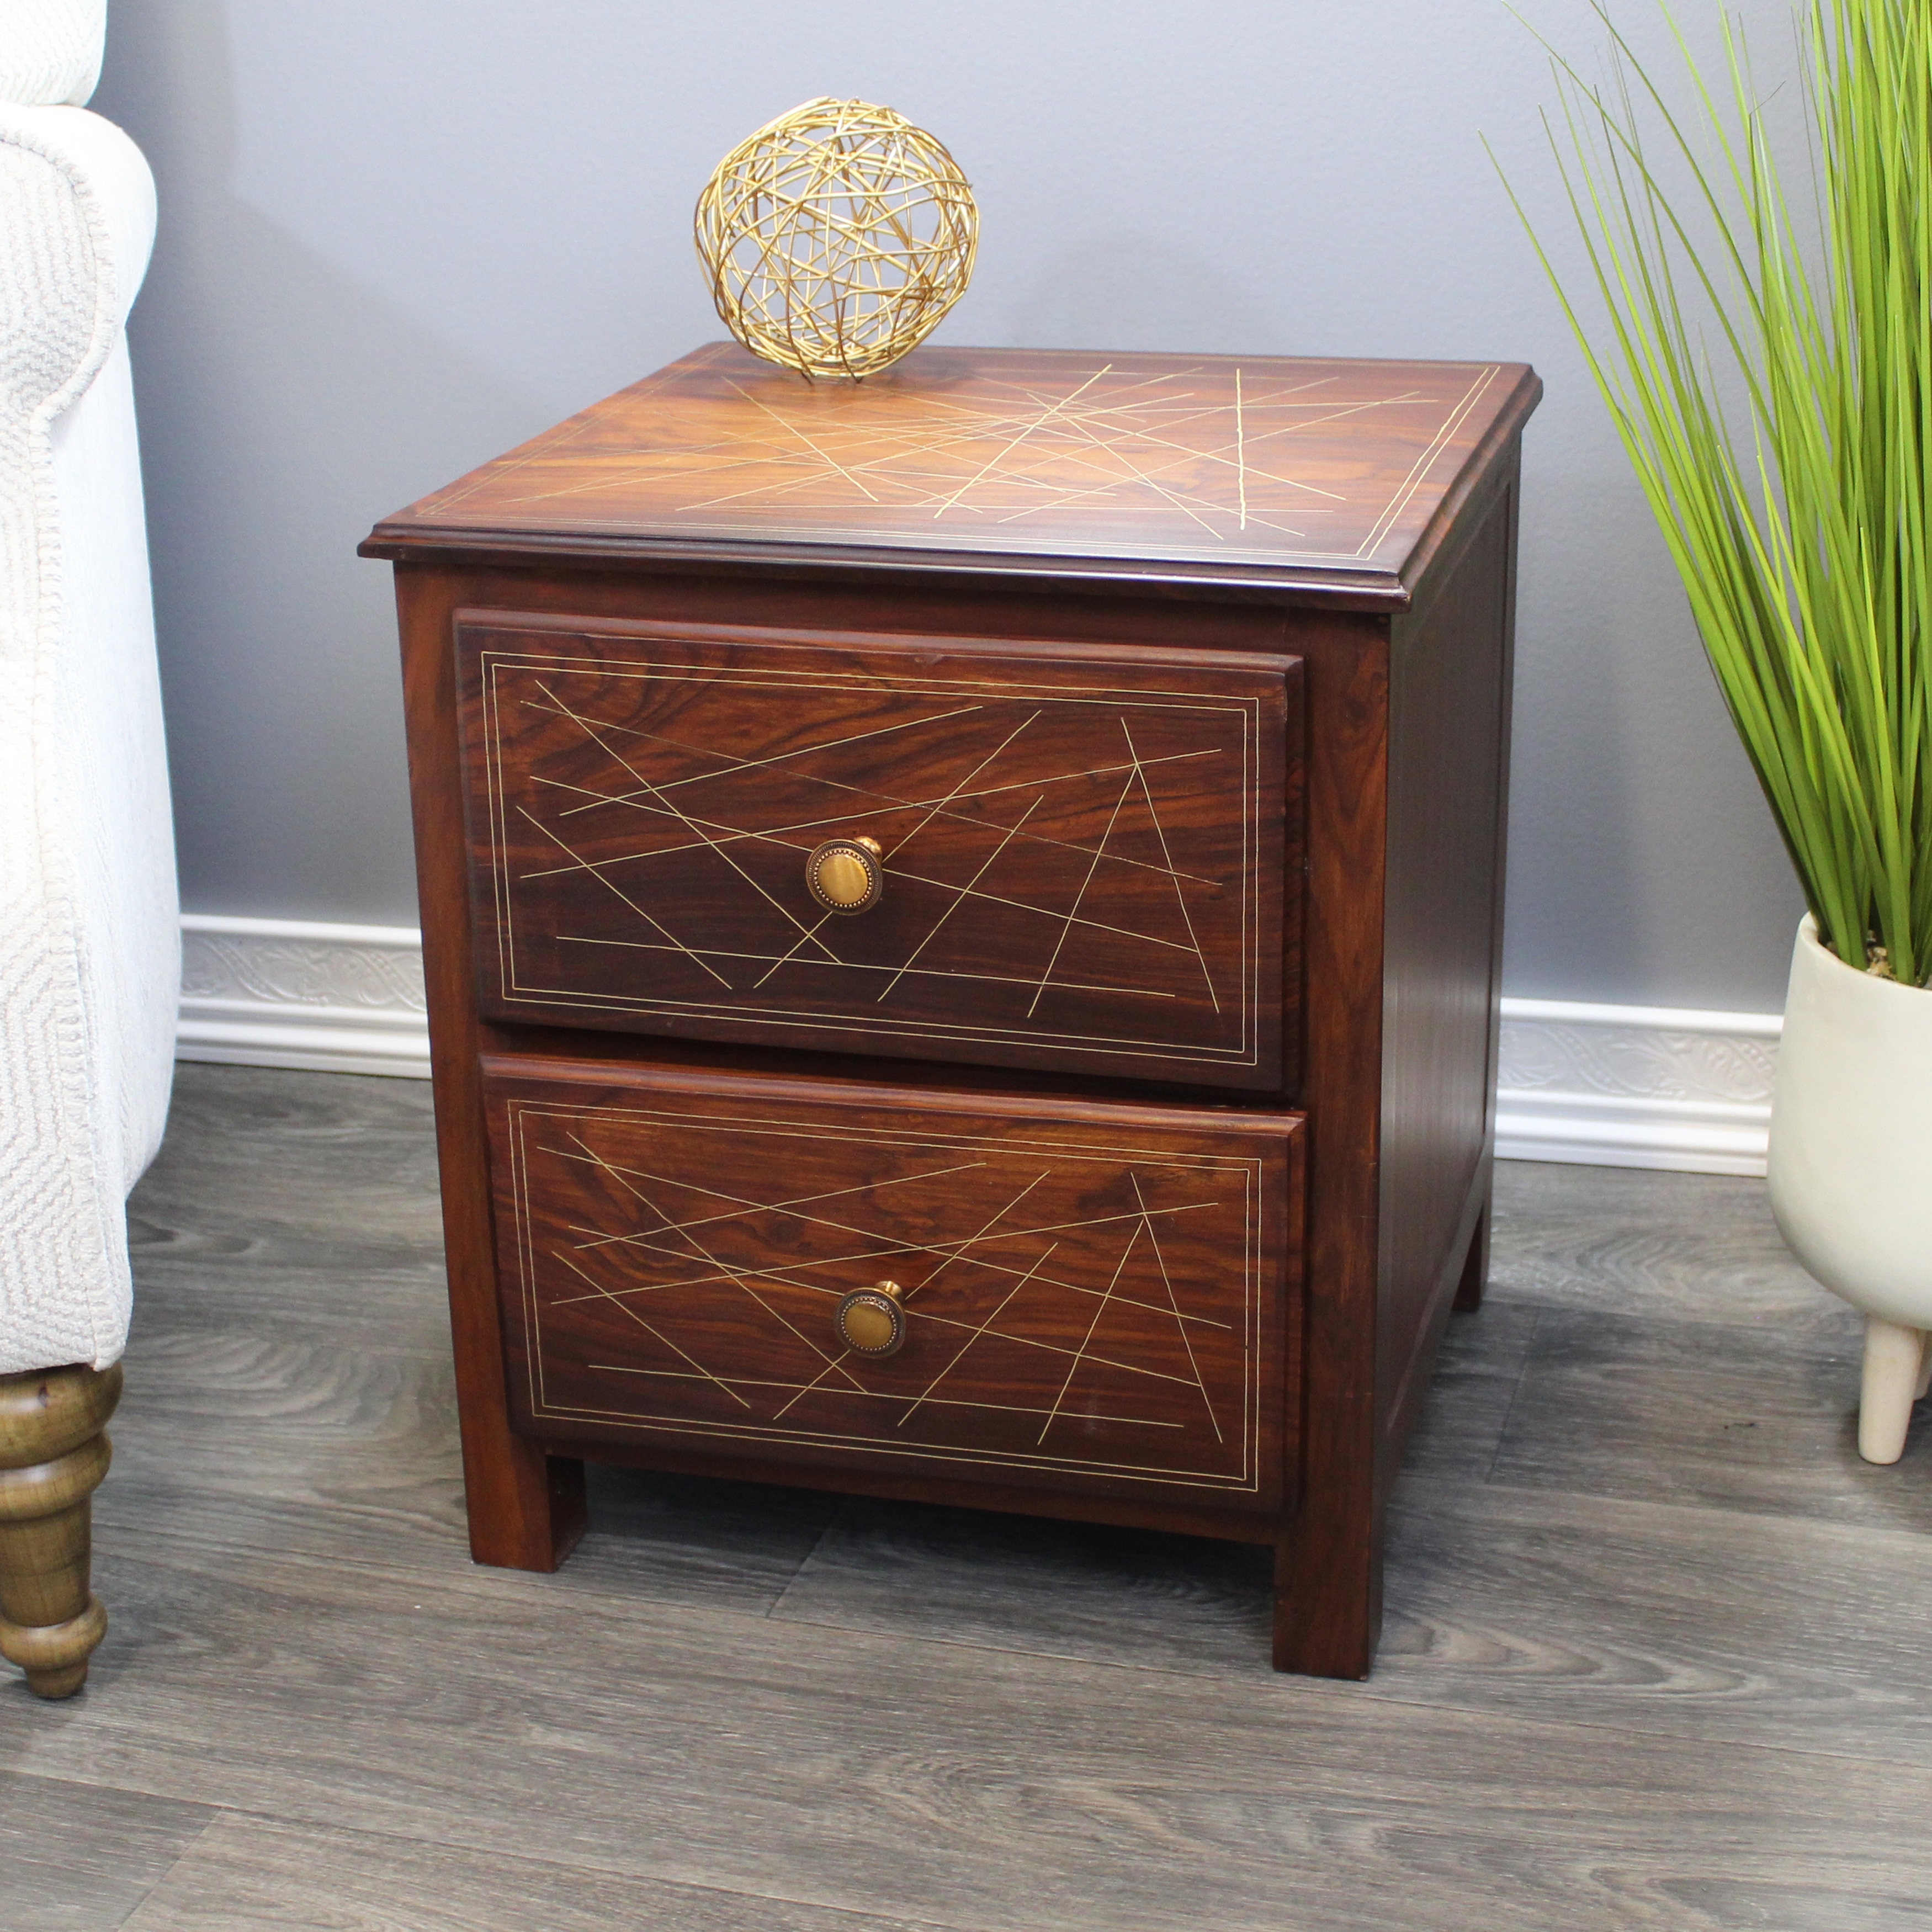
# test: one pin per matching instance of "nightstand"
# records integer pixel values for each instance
(961, 915)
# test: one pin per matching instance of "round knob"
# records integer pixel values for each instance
(846, 875)
(871, 1321)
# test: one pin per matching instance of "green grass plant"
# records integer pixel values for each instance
(1802, 534)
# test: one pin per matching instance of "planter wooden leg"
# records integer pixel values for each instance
(52, 1456)
(1893, 1355)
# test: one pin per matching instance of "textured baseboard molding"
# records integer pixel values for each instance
(285, 992)
(1619, 1086)
(1635, 1086)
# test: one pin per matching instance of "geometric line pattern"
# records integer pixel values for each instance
(733, 1285)
(1044, 818)
(652, 801)
(1257, 460)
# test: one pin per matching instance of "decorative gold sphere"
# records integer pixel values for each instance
(836, 238)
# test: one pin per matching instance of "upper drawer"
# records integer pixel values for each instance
(1080, 848)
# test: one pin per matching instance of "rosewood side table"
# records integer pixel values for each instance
(961, 916)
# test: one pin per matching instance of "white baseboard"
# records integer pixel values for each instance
(1635, 1086)
(1615, 1086)
(286, 992)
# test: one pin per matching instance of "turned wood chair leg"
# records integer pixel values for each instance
(1894, 1356)
(53, 1454)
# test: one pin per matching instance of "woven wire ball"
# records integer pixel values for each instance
(836, 238)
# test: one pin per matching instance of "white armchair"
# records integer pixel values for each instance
(89, 931)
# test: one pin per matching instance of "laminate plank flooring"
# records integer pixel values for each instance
(74, 1857)
(969, 1787)
(1657, 1649)
(248, 1874)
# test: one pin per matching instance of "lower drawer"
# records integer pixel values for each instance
(1088, 1297)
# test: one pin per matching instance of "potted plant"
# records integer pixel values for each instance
(1800, 526)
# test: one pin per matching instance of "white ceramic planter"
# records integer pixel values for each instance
(1851, 1167)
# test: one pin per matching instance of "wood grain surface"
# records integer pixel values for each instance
(246, 1874)
(1084, 848)
(1448, 778)
(1096, 1297)
(1596, 1708)
(1399, 615)
(1274, 472)
(525, 1508)
(78, 1857)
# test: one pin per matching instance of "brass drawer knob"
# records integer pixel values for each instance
(871, 1321)
(846, 875)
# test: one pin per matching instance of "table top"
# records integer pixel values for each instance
(1263, 471)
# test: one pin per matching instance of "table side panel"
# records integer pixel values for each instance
(1449, 724)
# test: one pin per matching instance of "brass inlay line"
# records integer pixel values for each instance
(890, 800)
(992, 757)
(1419, 468)
(1080, 1354)
(749, 1205)
(649, 1241)
(777, 1127)
(983, 1234)
(590, 732)
(994, 462)
(823, 455)
(1110, 484)
(900, 844)
(735, 766)
(1079, 898)
(945, 1321)
(911, 463)
(925, 1394)
(896, 872)
(705, 1254)
(958, 899)
(656, 1334)
(1240, 451)
(874, 1395)
(704, 833)
(884, 799)
(597, 872)
(1187, 1340)
(777, 960)
(1143, 1217)
(1160, 832)
(787, 1270)
(1186, 454)
(974, 1456)
(862, 966)
(934, 1274)
(738, 1212)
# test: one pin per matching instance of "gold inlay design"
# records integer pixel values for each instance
(1091, 1300)
(996, 797)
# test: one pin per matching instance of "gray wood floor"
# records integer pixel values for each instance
(1659, 1648)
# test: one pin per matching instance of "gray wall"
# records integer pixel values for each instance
(399, 236)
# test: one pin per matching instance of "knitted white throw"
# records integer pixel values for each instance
(50, 50)
(63, 1276)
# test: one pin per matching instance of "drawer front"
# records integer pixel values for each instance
(1093, 1298)
(1080, 848)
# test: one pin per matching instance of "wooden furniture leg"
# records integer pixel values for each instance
(1476, 1269)
(1895, 1355)
(53, 1453)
